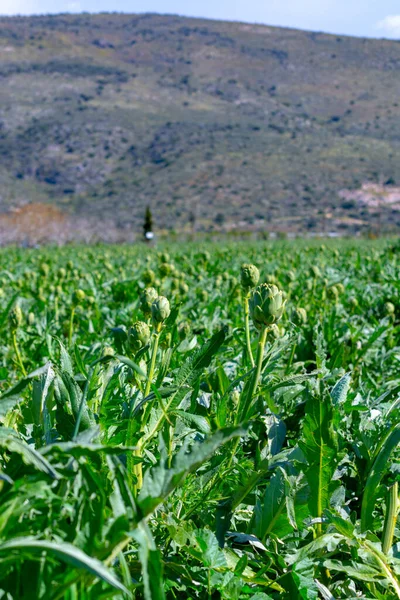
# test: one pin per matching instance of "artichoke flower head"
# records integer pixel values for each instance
(266, 305)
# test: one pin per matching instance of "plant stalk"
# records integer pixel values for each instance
(242, 414)
(136, 468)
(71, 326)
(18, 354)
(247, 329)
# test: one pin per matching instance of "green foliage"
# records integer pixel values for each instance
(146, 458)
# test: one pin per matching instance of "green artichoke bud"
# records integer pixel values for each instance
(15, 318)
(353, 302)
(340, 288)
(31, 318)
(183, 288)
(78, 297)
(166, 341)
(300, 316)
(107, 351)
(138, 335)
(291, 275)
(149, 276)
(147, 299)
(274, 331)
(202, 295)
(266, 305)
(175, 283)
(165, 257)
(166, 269)
(388, 308)
(62, 273)
(315, 271)
(333, 293)
(249, 277)
(44, 269)
(160, 309)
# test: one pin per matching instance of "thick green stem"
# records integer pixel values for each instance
(56, 310)
(136, 468)
(153, 360)
(247, 329)
(392, 512)
(17, 353)
(242, 414)
(71, 326)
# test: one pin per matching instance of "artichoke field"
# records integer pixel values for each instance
(219, 422)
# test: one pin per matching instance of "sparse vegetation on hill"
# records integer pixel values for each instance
(211, 124)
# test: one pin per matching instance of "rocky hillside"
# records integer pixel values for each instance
(212, 124)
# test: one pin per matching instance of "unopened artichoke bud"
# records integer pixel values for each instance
(353, 302)
(333, 293)
(218, 281)
(388, 308)
(291, 275)
(107, 351)
(299, 316)
(165, 257)
(175, 283)
(340, 288)
(266, 305)
(78, 297)
(70, 265)
(249, 276)
(166, 341)
(31, 318)
(44, 269)
(274, 331)
(202, 295)
(138, 335)
(160, 309)
(147, 298)
(58, 291)
(183, 288)
(62, 273)
(165, 269)
(15, 318)
(148, 276)
(91, 300)
(315, 271)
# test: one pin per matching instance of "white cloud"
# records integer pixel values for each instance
(391, 25)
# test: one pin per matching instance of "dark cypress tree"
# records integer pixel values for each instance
(148, 225)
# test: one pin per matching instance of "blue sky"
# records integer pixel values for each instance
(372, 18)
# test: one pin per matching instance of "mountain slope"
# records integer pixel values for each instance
(212, 123)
